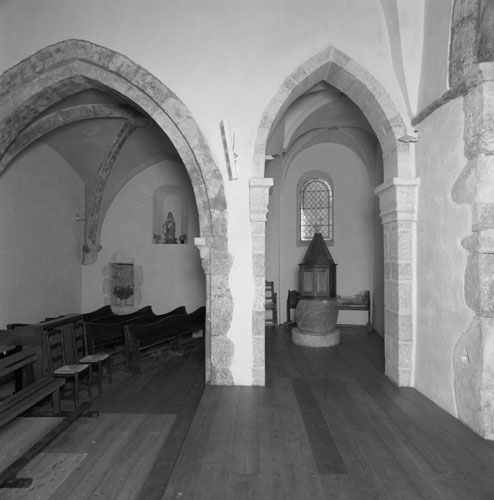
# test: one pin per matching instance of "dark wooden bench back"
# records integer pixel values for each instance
(142, 337)
(120, 318)
(147, 320)
(104, 336)
(16, 361)
(197, 318)
(166, 328)
(98, 313)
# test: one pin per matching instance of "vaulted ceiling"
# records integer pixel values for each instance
(324, 115)
(104, 140)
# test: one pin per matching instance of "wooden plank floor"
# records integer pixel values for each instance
(129, 450)
(328, 425)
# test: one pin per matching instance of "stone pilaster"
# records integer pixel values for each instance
(474, 352)
(258, 205)
(204, 252)
(219, 348)
(398, 207)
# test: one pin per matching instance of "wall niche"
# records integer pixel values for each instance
(122, 286)
(170, 215)
(122, 283)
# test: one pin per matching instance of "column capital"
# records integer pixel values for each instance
(259, 197)
(204, 246)
(398, 199)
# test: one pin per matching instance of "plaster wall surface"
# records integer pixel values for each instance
(441, 259)
(434, 80)
(411, 22)
(223, 49)
(172, 274)
(353, 249)
(40, 251)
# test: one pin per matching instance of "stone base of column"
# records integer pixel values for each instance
(315, 339)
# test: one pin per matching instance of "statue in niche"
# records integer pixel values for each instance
(169, 229)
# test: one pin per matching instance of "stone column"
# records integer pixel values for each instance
(474, 352)
(258, 201)
(398, 208)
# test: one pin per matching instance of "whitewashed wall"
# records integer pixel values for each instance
(172, 275)
(40, 250)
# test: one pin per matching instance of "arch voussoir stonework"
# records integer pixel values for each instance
(66, 68)
(397, 194)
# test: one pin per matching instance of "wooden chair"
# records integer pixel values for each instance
(291, 303)
(59, 368)
(95, 360)
(271, 304)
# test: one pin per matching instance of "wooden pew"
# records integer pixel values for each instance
(141, 339)
(33, 392)
(107, 334)
(23, 399)
(34, 336)
(112, 317)
(97, 313)
(30, 337)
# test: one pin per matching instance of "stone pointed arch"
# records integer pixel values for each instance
(397, 194)
(68, 67)
(63, 69)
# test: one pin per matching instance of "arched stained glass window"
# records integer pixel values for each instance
(316, 209)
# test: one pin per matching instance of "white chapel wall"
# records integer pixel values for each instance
(172, 274)
(40, 251)
(441, 259)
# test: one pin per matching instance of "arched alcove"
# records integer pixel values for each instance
(61, 70)
(397, 193)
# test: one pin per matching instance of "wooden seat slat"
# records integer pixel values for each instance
(15, 361)
(141, 338)
(26, 398)
(14, 398)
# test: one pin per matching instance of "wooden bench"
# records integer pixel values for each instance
(118, 318)
(18, 365)
(359, 302)
(142, 339)
(97, 313)
(31, 338)
(107, 334)
(22, 400)
(33, 392)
